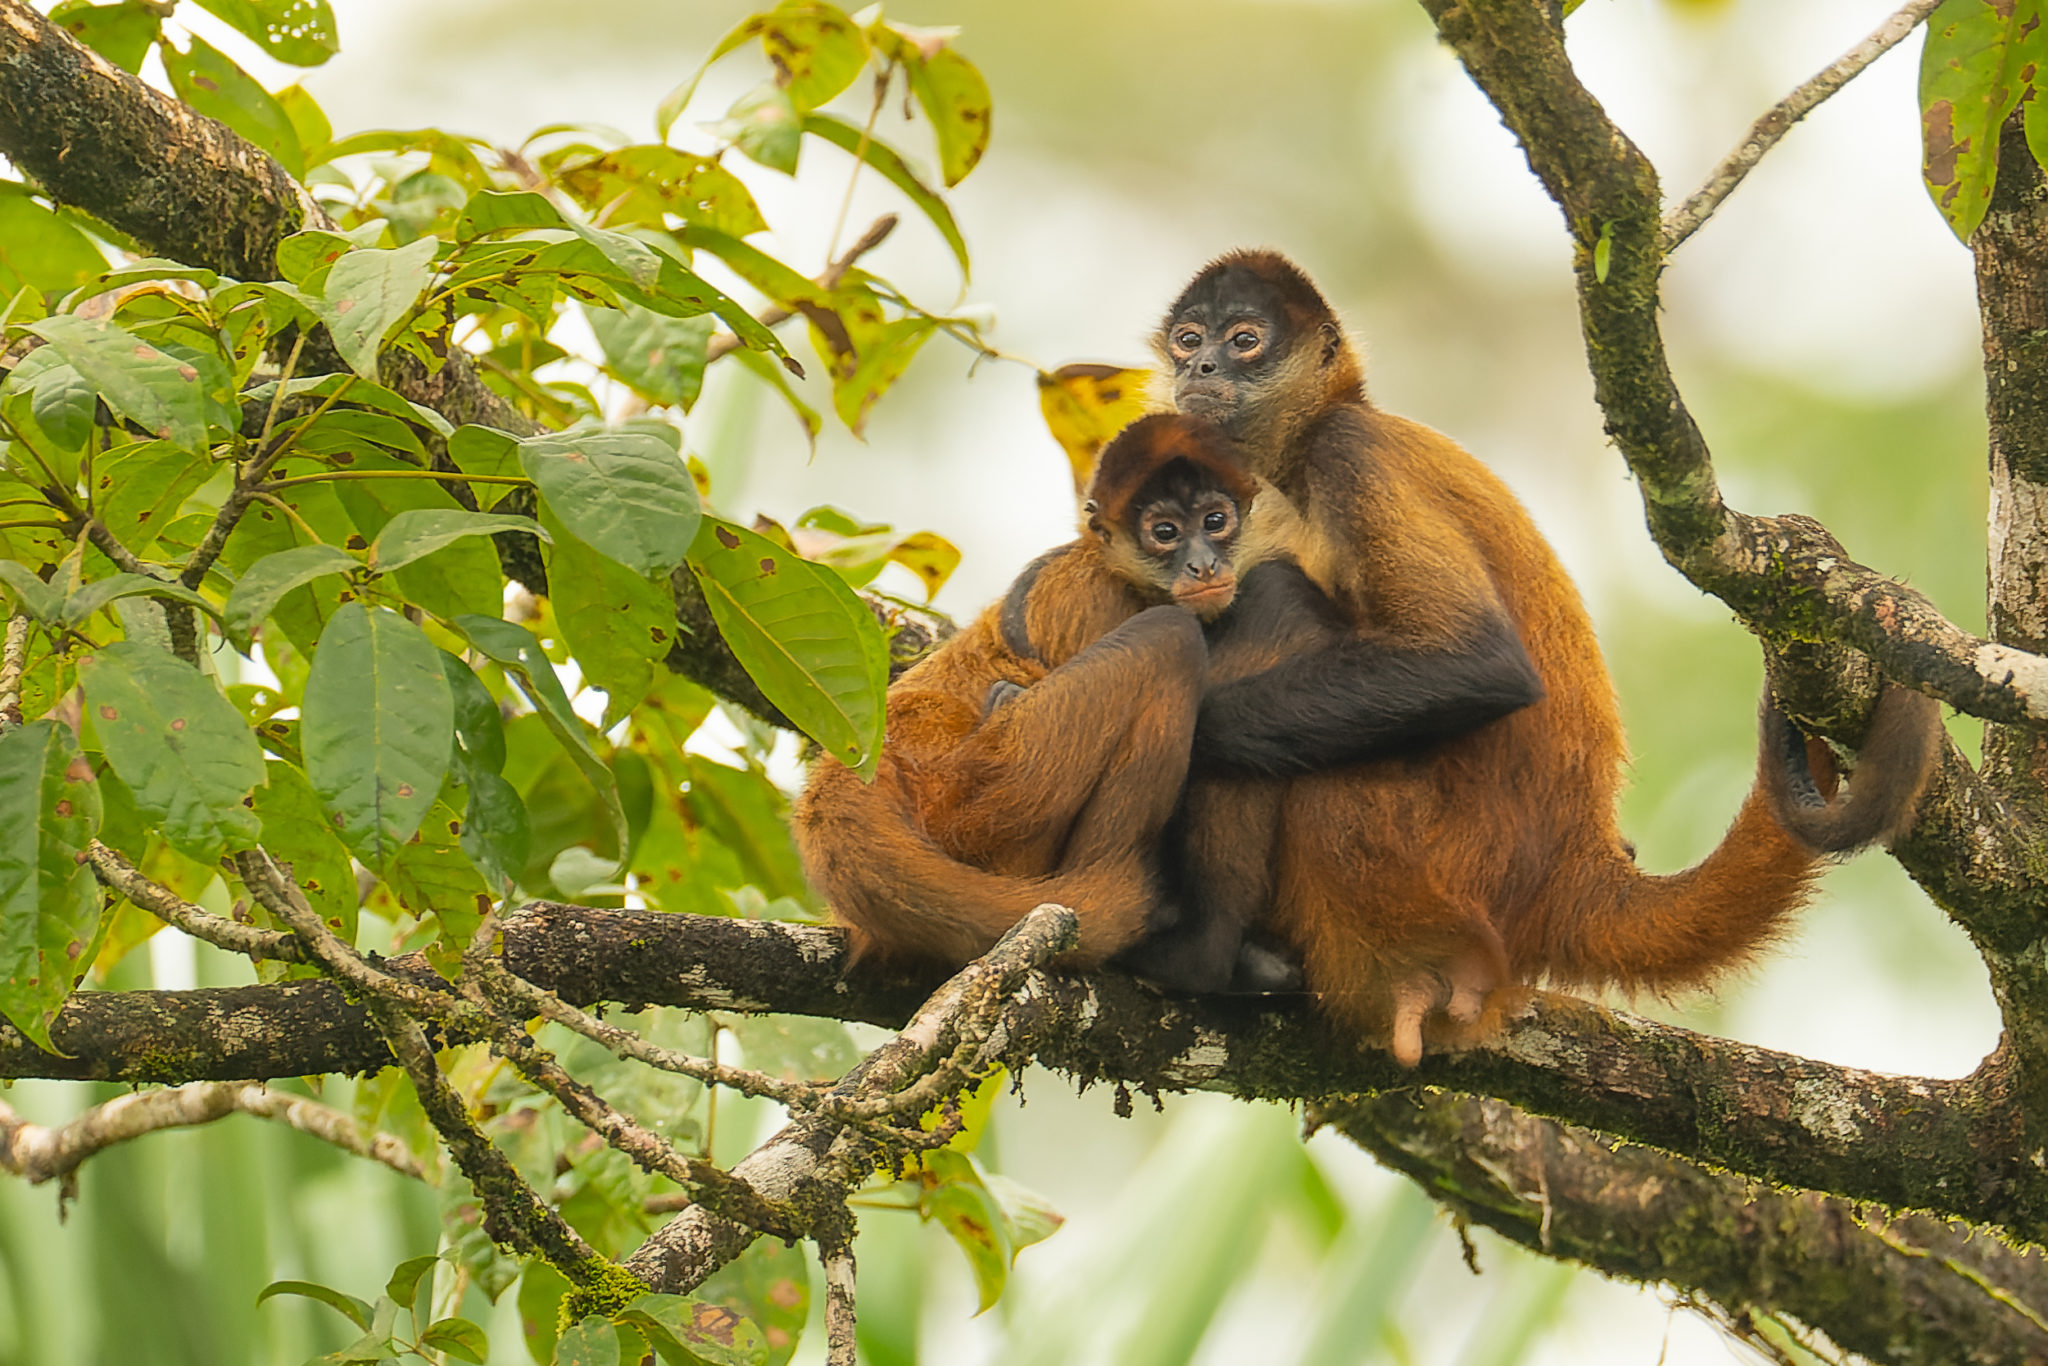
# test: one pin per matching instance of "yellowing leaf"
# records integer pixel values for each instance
(1085, 405)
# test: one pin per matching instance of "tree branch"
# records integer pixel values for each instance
(41, 1153)
(1683, 221)
(1904, 1288)
(1786, 577)
(1950, 1146)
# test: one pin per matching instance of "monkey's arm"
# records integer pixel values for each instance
(1360, 698)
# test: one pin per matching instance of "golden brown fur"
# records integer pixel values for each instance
(1420, 884)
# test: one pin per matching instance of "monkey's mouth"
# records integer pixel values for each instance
(1208, 600)
(1213, 399)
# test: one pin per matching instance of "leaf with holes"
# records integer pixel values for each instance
(378, 726)
(178, 743)
(619, 624)
(683, 1329)
(813, 647)
(49, 902)
(158, 392)
(297, 32)
(137, 489)
(368, 292)
(627, 492)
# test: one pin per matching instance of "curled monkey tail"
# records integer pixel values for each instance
(905, 899)
(1611, 923)
(1892, 767)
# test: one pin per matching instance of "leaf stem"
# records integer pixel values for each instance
(860, 154)
(446, 476)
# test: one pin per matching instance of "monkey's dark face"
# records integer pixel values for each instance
(1224, 336)
(1184, 531)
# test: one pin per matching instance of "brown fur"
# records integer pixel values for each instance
(1062, 793)
(1418, 885)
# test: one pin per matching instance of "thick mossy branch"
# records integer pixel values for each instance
(1949, 1146)
(1786, 577)
(1905, 1288)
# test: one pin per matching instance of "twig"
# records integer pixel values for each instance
(1683, 221)
(40, 1153)
(446, 476)
(13, 664)
(160, 901)
(514, 1212)
(834, 273)
(816, 1160)
(837, 1257)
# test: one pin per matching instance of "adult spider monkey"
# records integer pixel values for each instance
(1038, 754)
(1416, 885)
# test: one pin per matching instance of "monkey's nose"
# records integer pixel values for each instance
(1205, 367)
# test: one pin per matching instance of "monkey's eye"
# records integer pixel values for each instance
(1187, 339)
(1244, 342)
(1166, 533)
(1215, 521)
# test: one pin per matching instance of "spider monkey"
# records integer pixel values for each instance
(1415, 885)
(1038, 755)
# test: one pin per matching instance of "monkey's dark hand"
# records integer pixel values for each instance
(999, 692)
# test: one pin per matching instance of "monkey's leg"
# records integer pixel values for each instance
(1087, 762)
(1222, 844)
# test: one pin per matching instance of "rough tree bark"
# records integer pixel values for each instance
(1902, 1289)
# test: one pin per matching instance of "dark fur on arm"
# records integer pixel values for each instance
(1359, 699)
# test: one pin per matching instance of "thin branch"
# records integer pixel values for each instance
(840, 1340)
(13, 664)
(815, 1161)
(1683, 221)
(160, 901)
(775, 316)
(40, 1153)
(445, 476)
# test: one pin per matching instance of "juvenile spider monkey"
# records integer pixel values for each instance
(1038, 755)
(1416, 883)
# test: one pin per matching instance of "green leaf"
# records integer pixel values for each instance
(460, 576)
(963, 1206)
(770, 1284)
(296, 832)
(801, 634)
(121, 33)
(378, 724)
(956, 99)
(878, 358)
(686, 1330)
(497, 833)
(150, 268)
(643, 184)
(178, 743)
(309, 122)
(137, 489)
(100, 592)
(662, 358)
(404, 1285)
(62, 403)
(418, 532)
(296, 32)
(256, 596)
(360, 392)
(358, 1311)
(894, 169)
(40, 600)
(159, 392)
(514, 647)
(458, 1338)
(592, 1342)
(210, 82)
(1979, 60)
(368, 292)
(818, 49)
(432, 876)
(627, 491)
(40, 250)
(49, 902)
(765, 125)
(618, 622)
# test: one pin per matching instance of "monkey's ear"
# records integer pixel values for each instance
(1333, 341)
